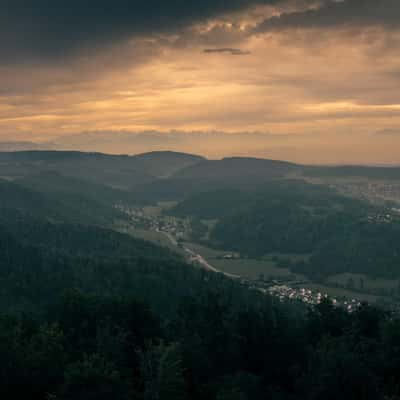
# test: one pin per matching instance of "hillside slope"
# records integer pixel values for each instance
(163, 164)
(50, 205)
(238, 170)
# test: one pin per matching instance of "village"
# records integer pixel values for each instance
(178, 231)
(308, 296)
(378, 191)
(177, 228)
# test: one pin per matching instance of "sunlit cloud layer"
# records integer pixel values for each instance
(315, 79)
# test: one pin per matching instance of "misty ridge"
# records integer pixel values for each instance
(303, 148)
(141, 142)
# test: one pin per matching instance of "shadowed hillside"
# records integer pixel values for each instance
(237, 169)
(79, 206)
(119, 171)
(163, 164)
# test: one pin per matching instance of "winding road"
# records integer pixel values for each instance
(199, 259)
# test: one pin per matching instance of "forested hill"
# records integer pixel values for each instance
(66, 200)
(126, 171)
(87, 313)
(385, 173)
(165, 175)
(164, 164)
(41, 260)
(337, 234)
(237, 169)
(119, 171)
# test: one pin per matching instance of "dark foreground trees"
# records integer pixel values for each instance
(96, 348)
(89, 314)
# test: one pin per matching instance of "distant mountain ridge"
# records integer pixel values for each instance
(166, 163)
(234, 168)
(164, 171)
(114, 170)
(21, 146)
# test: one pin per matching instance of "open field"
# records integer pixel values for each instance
(208, 252)
(152, 211)
(253, 269)
(292, 257)
(165, 205)
(249, 268)
(266, 266)
(368, 283)
(158, 238)
(157, 210)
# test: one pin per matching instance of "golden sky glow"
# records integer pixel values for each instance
(313, 95)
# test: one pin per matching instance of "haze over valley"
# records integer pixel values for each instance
(250, 210)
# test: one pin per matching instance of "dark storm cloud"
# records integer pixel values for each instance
(227, 50)
(51, 28)
(339, 14)
(54, 29)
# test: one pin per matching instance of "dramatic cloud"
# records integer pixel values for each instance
(44, 28)
(339, 14)
(321, 75)
(228, 50)
(38, 29)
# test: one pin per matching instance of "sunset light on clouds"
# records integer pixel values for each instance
(309, 81)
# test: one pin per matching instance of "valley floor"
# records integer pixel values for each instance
(259, 274)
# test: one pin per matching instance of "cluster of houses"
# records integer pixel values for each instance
(138, 218)
(175, 227)
(380, 218)
(308, 296)
(178, 229)
(371, 190)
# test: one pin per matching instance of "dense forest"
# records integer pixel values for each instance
(90, 313)
(382, 173)
(65, 200)
(39, 260)
(340, 234)
(87, 313)
(215, 343)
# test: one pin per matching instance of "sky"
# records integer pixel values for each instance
(312, 81)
